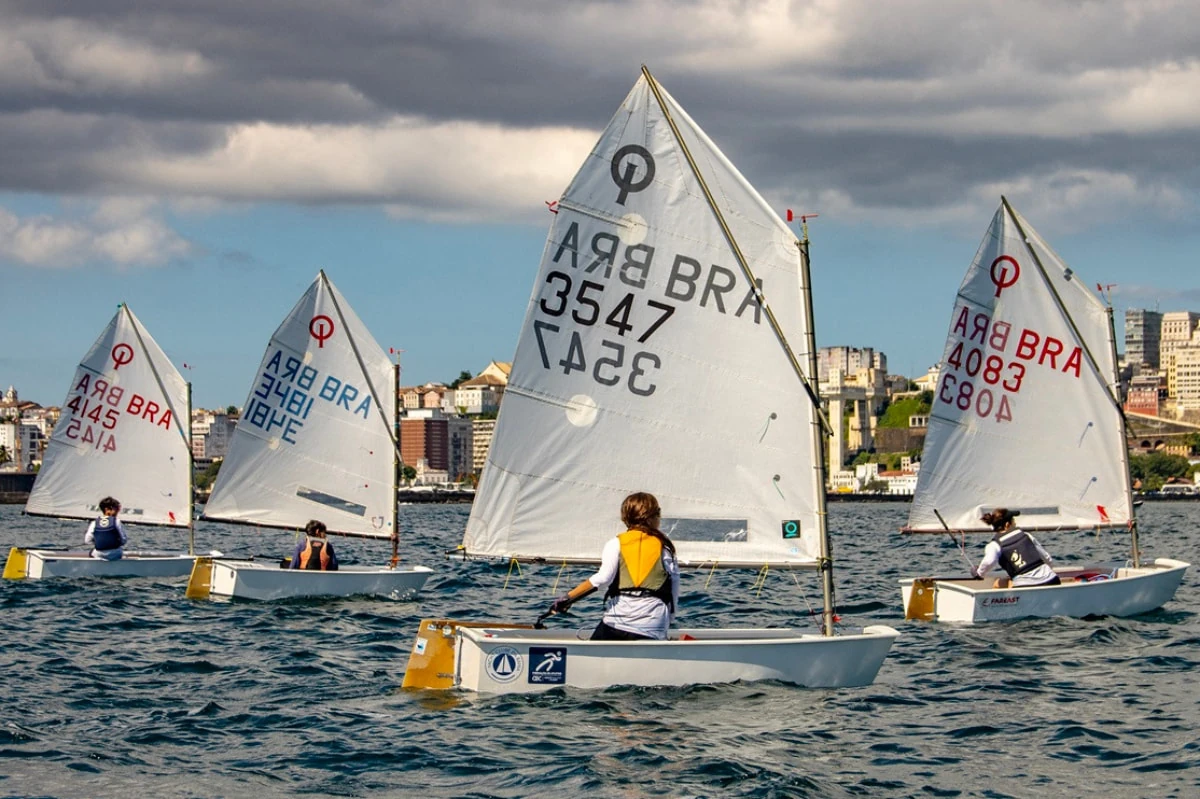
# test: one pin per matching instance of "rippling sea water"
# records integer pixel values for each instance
(126, 688)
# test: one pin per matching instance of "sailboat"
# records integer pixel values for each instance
(316, 440)
(668, 347)
(125, 431)
(1027, 416)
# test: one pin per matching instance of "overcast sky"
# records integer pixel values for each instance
(206, 158)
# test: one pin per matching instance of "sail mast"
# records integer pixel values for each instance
(1133, 525)
(397, 464)
(1062, 308)
(185, 435)
(737, 251)
(818, 437)
(191, 479)
(362, 367)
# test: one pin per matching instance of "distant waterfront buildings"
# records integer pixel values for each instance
(24, 428)
(1143, 330)
(1162, 360)
(211, 433)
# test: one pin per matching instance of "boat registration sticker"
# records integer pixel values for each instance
(420, 647)
(504, 664)
(791, 529)
(547, 665)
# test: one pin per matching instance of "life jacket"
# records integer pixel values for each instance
(1018, 554)
(106, 535)
(641, 571)
(318, 548)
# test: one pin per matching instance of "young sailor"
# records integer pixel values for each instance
(638, 567)
(106, 535)
(1016, 551)
(314, 552)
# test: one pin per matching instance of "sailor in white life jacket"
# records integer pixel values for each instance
(1016, 551)
(106, 535)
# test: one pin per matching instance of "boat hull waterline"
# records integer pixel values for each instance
(264, 580)
(39, 564)
(1130, 592)
(502, 659)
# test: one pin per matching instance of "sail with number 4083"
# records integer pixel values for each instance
(649, 361)
(1025, 413)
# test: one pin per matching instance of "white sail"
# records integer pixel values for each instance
(315, 438)
(647, 363)
(1024, 415)
(124, 432)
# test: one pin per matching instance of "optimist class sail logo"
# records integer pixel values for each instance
(121, 355)
(1002, 278)
(320, 328)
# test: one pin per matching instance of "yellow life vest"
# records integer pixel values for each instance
(641, 571)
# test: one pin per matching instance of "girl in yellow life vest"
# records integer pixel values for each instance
(639, 570)
(314, 552)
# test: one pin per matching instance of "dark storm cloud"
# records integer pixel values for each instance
(902, 105)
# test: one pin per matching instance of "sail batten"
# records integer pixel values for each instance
(120, 434)
(316, 436)
(1024, 413)
(648, 362)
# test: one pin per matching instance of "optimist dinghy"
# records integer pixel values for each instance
(1026, 416)
(316, 440)
(657, 355)
(125, 431)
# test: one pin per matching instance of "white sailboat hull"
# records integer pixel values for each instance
(500, 660)
(248, 579)
(41, 564)
(1130, 592)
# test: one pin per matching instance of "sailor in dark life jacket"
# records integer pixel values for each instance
(106, 535)
(1016, 551)
(639, 570)
(314, 552)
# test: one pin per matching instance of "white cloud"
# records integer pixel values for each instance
(124, 239)
(417, 168)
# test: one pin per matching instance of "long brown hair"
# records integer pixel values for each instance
(640, 511)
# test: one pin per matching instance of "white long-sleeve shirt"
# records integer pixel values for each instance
(991, 559)
(641, 615)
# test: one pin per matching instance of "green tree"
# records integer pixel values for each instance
(1155, 468)
(463, 377)
(897, 413)
(4, 456)
(408, 473)
(205, 479)
(232, 410)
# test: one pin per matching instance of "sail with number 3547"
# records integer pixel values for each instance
(668, 347)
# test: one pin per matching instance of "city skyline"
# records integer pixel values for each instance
(172, 161)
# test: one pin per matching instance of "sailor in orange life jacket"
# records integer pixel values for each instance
(1016, 551)
(639, 569)
(314, 552)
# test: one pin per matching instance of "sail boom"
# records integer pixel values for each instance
(125, 522)
(1029, 528)
(461, 555)
(293, 528)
